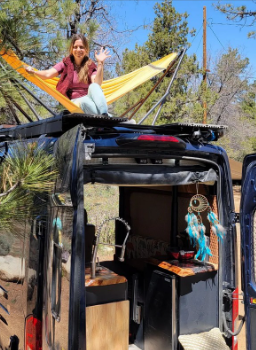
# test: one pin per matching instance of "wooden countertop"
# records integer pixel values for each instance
(183, 268)
(104, 277)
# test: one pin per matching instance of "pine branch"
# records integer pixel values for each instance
(11, 189)
(12, 42)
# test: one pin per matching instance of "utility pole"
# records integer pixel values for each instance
(204, 65)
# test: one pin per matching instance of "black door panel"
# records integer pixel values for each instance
(248, 241)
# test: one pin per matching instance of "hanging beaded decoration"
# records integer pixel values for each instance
(196, 229)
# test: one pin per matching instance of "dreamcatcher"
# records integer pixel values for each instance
(196, 229)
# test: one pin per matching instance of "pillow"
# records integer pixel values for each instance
(204, 341)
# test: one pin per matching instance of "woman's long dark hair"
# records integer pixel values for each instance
(83, 72)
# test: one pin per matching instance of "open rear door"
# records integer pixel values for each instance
(248, 241)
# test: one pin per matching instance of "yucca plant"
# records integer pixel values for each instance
(26, 173)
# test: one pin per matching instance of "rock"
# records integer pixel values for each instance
(12, 269)
(65, 256)
(32, 282)
(66, 267)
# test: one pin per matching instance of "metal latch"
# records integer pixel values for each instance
(137, 312)
(89, 149)
(235, 217)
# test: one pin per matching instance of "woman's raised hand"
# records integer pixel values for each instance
(102, 55)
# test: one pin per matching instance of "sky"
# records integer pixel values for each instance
(221, 33)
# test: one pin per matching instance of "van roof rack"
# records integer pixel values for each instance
(203, 126)
(56, 126)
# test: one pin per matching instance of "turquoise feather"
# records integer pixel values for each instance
(217, 228)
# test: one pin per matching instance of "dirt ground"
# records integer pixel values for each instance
(241, 336)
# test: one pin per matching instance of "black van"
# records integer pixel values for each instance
(154, 293)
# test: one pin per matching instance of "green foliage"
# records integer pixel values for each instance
(101, 203)
(228, 83)
(239, 64)
(232, 102)
(27, 171)
(248, 103)
(39, 32)
(236, 146)
(27, 28)
(36, 30)
(169, 34)
(6, 241)
(239, 14)
(252, 142)
(170, 30)
(10, 95)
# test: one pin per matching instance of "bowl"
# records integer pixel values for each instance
(174, 254)
(186, 254)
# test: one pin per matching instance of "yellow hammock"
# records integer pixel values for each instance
(113, 88)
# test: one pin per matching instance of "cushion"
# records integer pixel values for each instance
(204, 341)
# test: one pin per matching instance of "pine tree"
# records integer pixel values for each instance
(169, 34)
(241, 14)
(39, 32)
(231, 101)
(29, 170)
(248, 104)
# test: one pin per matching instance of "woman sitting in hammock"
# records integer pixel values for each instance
(80, 78)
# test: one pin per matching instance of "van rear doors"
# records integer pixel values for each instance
(248, 242)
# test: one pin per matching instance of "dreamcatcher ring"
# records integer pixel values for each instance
(198, 203)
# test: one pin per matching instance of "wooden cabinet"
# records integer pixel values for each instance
(107, 326)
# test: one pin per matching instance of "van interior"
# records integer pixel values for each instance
(157, 290)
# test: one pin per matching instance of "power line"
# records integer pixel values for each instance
(197, 34)
(216, 37)
(245, 78)
(195, 38)
(233, 24)
(199, 43)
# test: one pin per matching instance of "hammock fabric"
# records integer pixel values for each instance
(113, 89)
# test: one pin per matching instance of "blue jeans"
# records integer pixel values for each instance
(93, 103)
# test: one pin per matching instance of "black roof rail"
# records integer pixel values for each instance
(56, 126)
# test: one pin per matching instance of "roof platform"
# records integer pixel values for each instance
(57, 125)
